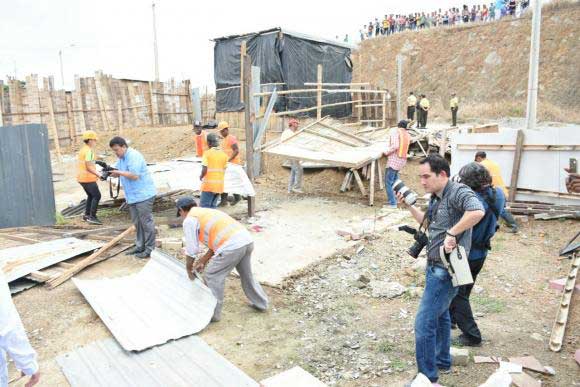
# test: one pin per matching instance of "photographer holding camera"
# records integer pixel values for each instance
(478, 178)
(453, 210)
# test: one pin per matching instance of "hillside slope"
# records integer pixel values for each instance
(485, 64)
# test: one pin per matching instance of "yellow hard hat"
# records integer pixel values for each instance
(89, 135)
(223, 125)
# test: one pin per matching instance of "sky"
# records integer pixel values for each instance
(116, 36)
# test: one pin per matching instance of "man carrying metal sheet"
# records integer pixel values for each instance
(229, 246)
(13, 340)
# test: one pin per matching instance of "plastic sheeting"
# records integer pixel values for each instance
(291, 59)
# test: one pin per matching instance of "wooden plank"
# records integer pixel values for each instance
(559, 326)
(38, 276)
(346, 181)
(154, 110)
(372, 184)
(507, 147)
(53, 126)
(72, 131)
(247, 80)
(384, 110)
(88, 231)
(340, 140)
(19, 238)
(56, 281)
(516, 165)
(380, 173)
(278, 114)
(242, 70)
(319, 92)
(361, 139)
(120, 116)
(132, 101)
(359, 182)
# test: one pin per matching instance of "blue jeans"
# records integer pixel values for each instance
(433, 324)
(208, 199)
(296, 174)
(391, 176)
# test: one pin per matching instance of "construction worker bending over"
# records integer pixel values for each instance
(411, 102)
(229, 246)
(454, 106)
(424, 105)
(13, 340)
(87, 176)
(140, 194)
(396, 158)
(296, 170)
(230, 146)
(497, 181)
(213, 169)
(200, 139)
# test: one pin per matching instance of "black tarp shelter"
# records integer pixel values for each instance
(287, 58)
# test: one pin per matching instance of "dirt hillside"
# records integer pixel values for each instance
(486, 64)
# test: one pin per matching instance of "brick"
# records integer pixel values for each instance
(459, 356)
(559, 284)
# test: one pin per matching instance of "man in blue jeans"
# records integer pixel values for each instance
(140, 194)
(396, 158)
(453, 210)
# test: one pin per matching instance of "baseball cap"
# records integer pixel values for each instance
(403, 124)
(186, 201)
(197, 124)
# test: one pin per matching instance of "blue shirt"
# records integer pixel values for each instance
(485, 229)
(136, 190)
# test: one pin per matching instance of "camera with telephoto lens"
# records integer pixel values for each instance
(421, 240)
(409, 195)
(106, 172)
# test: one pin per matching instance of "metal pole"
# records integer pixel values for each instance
(61, 68)
(399, 85)
(155, 53)
(531, 110)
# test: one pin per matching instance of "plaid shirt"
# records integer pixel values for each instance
(393, 160)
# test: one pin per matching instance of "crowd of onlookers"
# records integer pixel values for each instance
(393, 23)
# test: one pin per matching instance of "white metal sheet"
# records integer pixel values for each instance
(18, 262)
(293, 377)
(158, 304)
(186, 362)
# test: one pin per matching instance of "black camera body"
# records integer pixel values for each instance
(106, 172)
(421, 240)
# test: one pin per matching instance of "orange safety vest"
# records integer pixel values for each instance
(227, 144)
(404, 142)
(83, 175)
(215, 227)
(216, 161)
(201, 144)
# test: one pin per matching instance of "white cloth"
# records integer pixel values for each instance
(191, 233)
(13, 339)
(287, 133)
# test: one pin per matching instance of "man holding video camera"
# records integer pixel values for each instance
(453, 210)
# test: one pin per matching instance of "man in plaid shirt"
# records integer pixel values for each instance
(396, 158)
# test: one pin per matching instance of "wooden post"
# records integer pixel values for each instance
(384, 110)
(516, 166)
(443, 143)
(72, 131)
(120, 116)
(380, 175)
(188, 103)
(247, 80)
(2, 103)
(372, 184)
(242, 70)
(319, 92)
(153, 106)
(53, 126)
(132, 103)
(359, 182)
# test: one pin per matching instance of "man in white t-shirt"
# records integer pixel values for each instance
(229, 246)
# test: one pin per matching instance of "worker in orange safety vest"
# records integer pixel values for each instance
(396, 158)
(213, 169)
(200, 139)
(232, 149)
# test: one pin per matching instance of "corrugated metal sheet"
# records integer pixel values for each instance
(291, 378)
(18, 262)
(25, 177)
(185, 362)
(158, 304)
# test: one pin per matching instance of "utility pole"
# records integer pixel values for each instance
(531, 109)
(155, 53)
(61, 68)
(399, 85)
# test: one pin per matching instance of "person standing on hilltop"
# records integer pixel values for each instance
(454, 106)
(424, 105)
(411, 102)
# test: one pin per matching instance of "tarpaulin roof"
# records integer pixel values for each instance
(287, 58)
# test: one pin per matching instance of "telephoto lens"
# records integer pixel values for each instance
(409, 196)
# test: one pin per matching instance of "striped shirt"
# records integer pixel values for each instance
(393, 160)
(449, 209)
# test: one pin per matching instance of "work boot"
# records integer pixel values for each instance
(236, 200)
(143, 254)
(134, 250)
(94, 220)
(86, 217)
(465, 341)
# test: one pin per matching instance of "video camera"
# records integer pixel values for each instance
(421, 240)
(107, 169)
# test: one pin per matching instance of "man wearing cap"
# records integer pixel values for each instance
(140, 194)
(229, 246)
(213, 169)
(200, 139)
(296, 170)
(230, 146)
(454, 105)
(396, 158)
(87, 176)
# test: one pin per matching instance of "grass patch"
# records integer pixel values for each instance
(60, 220)
(488, 304)
(385, 346)
(398, 364)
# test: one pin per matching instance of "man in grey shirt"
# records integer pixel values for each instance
(453, 210)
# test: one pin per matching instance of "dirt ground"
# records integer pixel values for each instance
(327, 320)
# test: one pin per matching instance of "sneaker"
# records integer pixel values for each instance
(236, 201)
(512, 230)
(297, 190)
(134, 251)
(444, 371)
(143, 254)
(94, 220)
(465, 341)
(85, 217)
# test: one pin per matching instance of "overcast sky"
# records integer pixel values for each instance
(116, 36)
